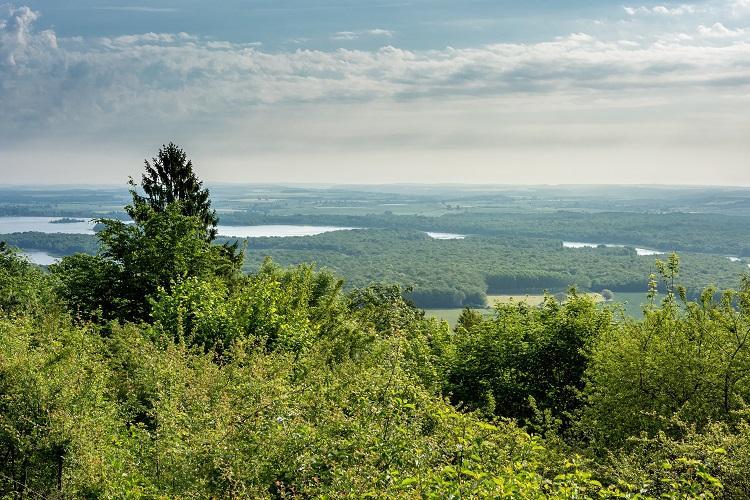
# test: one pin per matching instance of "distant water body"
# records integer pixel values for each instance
(46, 225)
(446, 236)
(43, 225)
(638, 251)
(40, 257)
(277, 231)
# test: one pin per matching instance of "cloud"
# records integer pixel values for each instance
(48, 84)
(635, 95)
(355, 35)
(717, 9)
(740, 8)
(380, 32)
(345, 35)
(19, 43)
(718, 30)
(661, 10)
(149, 39)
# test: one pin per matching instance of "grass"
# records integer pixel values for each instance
(630, 302)
(532, 300)
(451, 315)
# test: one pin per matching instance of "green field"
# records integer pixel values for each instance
(631, 303)
(532, 300)
(451, 315)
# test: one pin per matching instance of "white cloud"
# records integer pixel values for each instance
(718, 30)
(18, 42)
(355, 35)
(345, 35)
(150, 39)
(661, 10)
(380, 32)
(740, 8)
(715, 10)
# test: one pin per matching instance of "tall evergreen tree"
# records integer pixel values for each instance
(169, 178)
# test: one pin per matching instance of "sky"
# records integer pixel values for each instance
(378, 91)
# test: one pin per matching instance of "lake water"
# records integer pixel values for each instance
(40, 257)
(277, 231)
(638, 251)
(446, 236)
(43, 225)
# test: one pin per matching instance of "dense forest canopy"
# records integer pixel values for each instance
(451, 273)
(156, 367)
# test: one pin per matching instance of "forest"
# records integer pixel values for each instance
(156, 367)
(450, 273)
(458, 273)
(667, 231)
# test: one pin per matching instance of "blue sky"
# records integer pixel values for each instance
(379, 91)
(280, 25)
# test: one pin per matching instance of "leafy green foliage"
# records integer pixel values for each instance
(130, 415)
(427, 344)
(168, 242)
(275, 309)
(56, 421)
(719, 454)
(138, 259)
(526, 360)
(685, 359)
(90, 285)
(23, 288)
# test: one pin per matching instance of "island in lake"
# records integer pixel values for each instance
(66, 220)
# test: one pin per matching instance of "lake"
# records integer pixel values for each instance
(43, 225)
(277, 231)
(445, 236)
(638, 251)
(40, 257)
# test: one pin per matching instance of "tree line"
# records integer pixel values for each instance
(676, 231)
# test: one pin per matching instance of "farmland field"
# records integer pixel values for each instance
(630, 302)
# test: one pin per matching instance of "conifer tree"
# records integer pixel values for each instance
(169, 178)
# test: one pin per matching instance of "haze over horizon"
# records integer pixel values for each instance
(344, 92)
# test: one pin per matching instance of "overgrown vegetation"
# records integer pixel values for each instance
(157, 369)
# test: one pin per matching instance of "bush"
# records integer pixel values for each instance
(526, 359)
